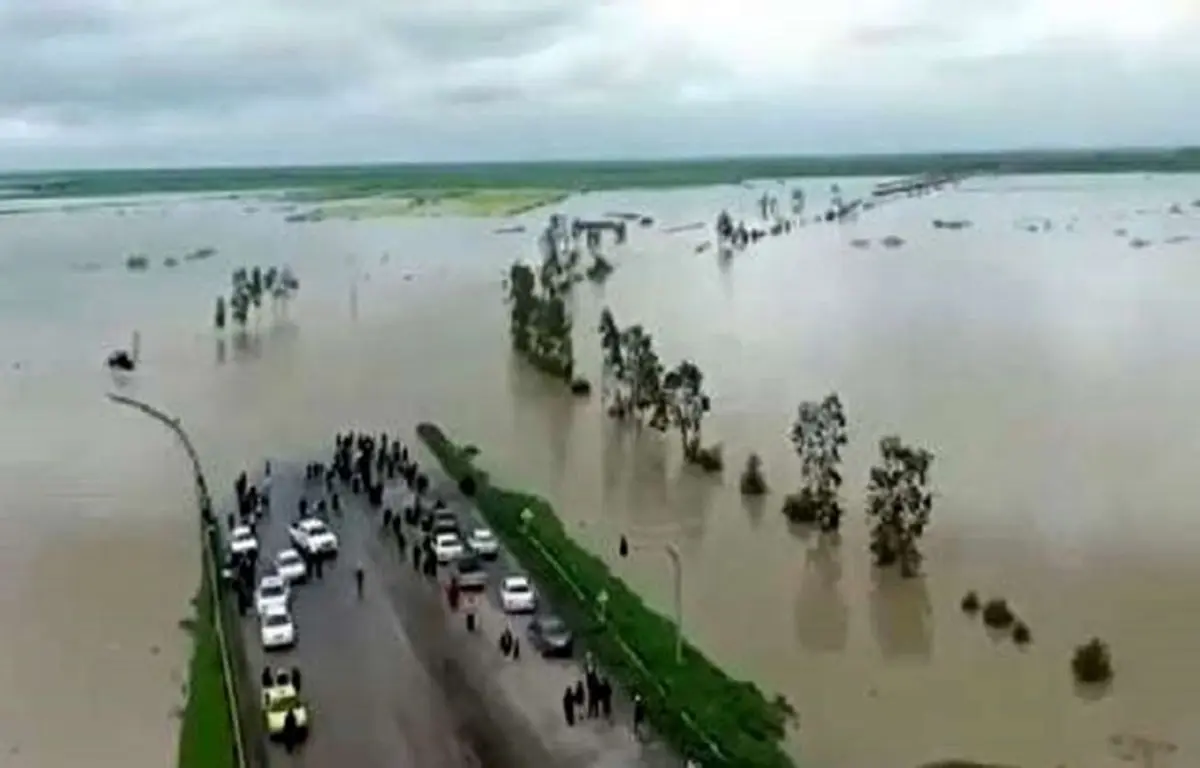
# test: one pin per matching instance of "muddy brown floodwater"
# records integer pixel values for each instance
(1054, 374)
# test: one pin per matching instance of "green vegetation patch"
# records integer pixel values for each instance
(206, 739)
(696, 707)
(477, 203)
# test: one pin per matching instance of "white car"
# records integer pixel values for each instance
(447, 547)
(483, 543)
(273, 594)
(290, 566)
(242, 540)
(314, 537)
(517, 595)
(277, 628)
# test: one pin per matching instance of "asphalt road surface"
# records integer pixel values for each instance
(394, 679)
(373, 701)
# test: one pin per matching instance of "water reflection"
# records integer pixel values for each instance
(901, 615)
(612, 459)
(648, 493)
(822, 615)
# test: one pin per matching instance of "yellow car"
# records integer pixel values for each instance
(279, 699)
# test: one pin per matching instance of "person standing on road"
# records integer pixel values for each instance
(290, 732)
(593, 696)
(516, 648)
(358, 579)
(568, 705)
(606, 692)
(639, 715)
(580, 698)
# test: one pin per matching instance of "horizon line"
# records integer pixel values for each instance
(630, 161)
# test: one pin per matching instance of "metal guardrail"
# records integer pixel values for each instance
(207, 529)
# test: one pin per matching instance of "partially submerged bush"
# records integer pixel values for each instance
(1021, 634)
(1092, 663)
(709, 459)
(581, 387)
(997, 614)
(753, 483)
(970, 603)
(801, 507)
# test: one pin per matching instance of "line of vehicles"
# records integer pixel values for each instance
(310, 538)
(548, 634)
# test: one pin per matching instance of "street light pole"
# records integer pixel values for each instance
(677, 566)
(677, 573)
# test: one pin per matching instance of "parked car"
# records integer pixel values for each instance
(291, 566)
(312, 536)
(278, 699)
(242, 541)
(483, 543)
(470, 573)
(277, 628)
(550, 636)
(272, 593)
(517, 595)
(445, 521)
(447, 547)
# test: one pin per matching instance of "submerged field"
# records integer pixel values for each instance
(478, 203)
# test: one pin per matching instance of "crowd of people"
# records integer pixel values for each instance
(361, 464)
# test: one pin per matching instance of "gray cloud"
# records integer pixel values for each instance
(187, 81)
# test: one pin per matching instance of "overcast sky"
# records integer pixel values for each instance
(192, 82)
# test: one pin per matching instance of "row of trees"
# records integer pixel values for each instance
(249, 288)
(540, 320)
(899, 502)
(637, 386)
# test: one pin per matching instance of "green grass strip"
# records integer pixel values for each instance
(695, 706)
(206, 739)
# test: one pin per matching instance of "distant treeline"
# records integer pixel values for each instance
(365, 180)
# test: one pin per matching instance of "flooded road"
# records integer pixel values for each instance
(1053, 374)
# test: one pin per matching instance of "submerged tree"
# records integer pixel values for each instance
(239, 307)
(899, 504)
(539, 319)
(724, 227)
(818, 436)
(643, 378)
(612, 365)
(522, 299)
(554, 349)
(256, 287)
(686, 405)
(753, 483)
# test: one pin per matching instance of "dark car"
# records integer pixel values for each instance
(550, 637)
(469, 571)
